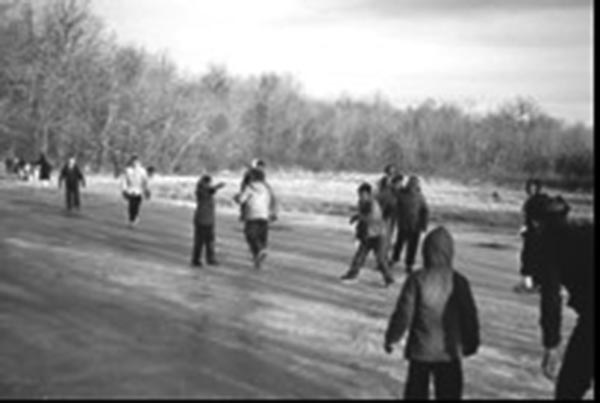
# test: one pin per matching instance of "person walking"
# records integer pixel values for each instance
(259, 209)
(204, 221)
(45, 170)
(371, 233)
(412, 219)
(135, 188)
(72, 177)
(437, 309)
(566, 259)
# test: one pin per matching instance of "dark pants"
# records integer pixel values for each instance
(204, 236)
(528, 254)
(577, 370)
(378, 246)
(72, 197)
(447, 380)
(134, 203)
(411, 239)
(257, 235)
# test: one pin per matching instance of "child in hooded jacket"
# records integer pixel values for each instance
(437, 309)
(204, 221)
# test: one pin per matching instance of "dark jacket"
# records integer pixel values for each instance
(72, 177)
(436, 306)
(566, 259)
(45, 168)
(412, 211)
(533, 208)
(388, 202)
(205, 204)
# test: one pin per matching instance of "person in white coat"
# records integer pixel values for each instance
(134, 185)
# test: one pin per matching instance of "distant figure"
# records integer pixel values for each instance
(412, 219)
(496, 197)
(151, 170)
(9, 165)
(437, 309)
(260, 208)
(134, 185)
(72, 177)
(565, 257)
(204, 221)
(532, 211)
(371, 233)
(387, 196)
(45, 170)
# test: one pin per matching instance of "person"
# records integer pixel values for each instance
(260, 165)
(412, 219)
(371, 232)
(390, 172)
(566, 259)
(437, 309)
(72, 176)
(531, 212)
(387, 196)
(260, 208)
(45, 169)
(134, 185)
(204, 221)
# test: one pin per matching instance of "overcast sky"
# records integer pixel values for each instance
(476, 52)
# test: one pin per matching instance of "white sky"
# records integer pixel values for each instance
(476, 52)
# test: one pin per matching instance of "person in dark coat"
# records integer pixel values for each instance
(72, 177)
(532, 209)
(437, 309)
(204, 221)
(390, 171)
(387, 196)
(412, 219)
(371, 232)
(45, 169)
(566, 259)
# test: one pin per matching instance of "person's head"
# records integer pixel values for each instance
(397, 181)
(533, 186)
(71, 161)
(555, 210)
(150, 170)
(206, 180)
(134, 161)
(390, 170)
(256, 175)
(413, 183)
(257, 163)
(438, 249)
(365, 192)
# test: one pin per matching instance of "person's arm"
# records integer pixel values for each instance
(242, 197)
(61, 177)
(80, 177)
(468, 316)
(273, 204)
(403, 314)
(423, 215)
(217, 187)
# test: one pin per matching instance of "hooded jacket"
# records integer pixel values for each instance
(258, 201)
(412, 211)
(436, 307)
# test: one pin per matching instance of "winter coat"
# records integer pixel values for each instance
(412, 211)
(71, 176)
(258, 201)
(370, 222)
(205, 204)
(436, 307)
(45, 168)
(566, 258)
(135, 181)
(533, 208)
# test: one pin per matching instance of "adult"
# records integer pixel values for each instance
(135, 188)
(72, 177)
(412, 220)
(45, 169)
(566, 259)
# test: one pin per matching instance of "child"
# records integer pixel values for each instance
(259, 210)
(437, 309)
(72, 176)
(135, 186)
(204, 221)
(371, 232)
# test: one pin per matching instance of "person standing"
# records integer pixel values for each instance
(532, 210)
(260, 209)
(371, 232)
(412, 219)
(566, 259)
(134, 185)
(204, 221)
(72, 176)
(437, 309)
(45, 170)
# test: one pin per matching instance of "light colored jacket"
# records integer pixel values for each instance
(135, 181)
(257, 199)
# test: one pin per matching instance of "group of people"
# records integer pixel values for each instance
(436, 309)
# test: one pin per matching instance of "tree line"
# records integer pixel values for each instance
(67, 86)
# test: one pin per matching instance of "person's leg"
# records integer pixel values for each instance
(381, 253)
(400, 237)
(577, 371)
(358, 260)
(68, 198)
(448, 380)
(209, 238)
(262, 237)
(76, 200)
(250, 230)
(417, 381)
(197, 248)
(134, 207)
(411, 250)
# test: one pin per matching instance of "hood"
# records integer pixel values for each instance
(438, 249)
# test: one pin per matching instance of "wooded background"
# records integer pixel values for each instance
(67, 86)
